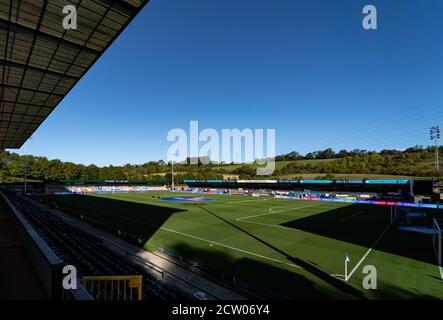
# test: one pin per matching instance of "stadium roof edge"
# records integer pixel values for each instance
(42, 62)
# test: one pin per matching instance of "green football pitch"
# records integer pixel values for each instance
(292, 247)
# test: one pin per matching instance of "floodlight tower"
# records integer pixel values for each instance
(435, 136)
(172, 174)
(172, 169)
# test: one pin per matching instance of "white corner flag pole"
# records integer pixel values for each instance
(346, 267)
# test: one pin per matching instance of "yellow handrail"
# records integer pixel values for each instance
(131, 282)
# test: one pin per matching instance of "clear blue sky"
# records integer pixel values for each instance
(306, 68)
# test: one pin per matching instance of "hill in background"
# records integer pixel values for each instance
(415, 162)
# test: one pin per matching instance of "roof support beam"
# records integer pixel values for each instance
(16, 64)
(31, 89)
(28, 104)
(73, 57)
(52, 37)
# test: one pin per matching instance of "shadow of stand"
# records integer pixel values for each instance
(336, 283)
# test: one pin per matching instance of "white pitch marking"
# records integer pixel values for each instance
(222, 245)
(233, 248)
(269, 225)
(441, 272)
(347, 218)
(367, 252)
(289, 209)
(240, 201)
(257, 215)
(272, 212)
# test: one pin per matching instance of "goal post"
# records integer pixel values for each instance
(393, 213)
(400, 215)
(419, 221)
(436, 238)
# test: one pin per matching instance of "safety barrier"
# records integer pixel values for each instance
(114, 287)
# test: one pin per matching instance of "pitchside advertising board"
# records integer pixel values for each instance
(377, 202)
(369, 182)
(304, 181)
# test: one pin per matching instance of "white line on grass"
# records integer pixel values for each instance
(268, 225)
(367, 252)
(441, 272)
(257, 215)
(290, 209)
(272, 212)
(347, 218)
(239, 201)
(233, 248)
(219, 244)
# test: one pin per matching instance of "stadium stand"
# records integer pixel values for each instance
(111, 189)
(88, 253)
(51, 189)
(245, 287)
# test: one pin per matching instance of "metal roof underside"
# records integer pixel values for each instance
(41, 61)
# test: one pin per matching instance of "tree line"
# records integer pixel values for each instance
(415, 161)
(13, 167)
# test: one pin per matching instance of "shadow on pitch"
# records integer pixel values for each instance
(338, 284)
(262, 279)
(270, 281)
(362, 224)
(134, 222)
(139, 221)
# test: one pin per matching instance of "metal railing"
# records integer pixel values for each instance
(164, 274)
(114, 287)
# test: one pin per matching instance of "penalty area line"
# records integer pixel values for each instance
(290, 209)
(241, 201)
(350, 217)
(268, 225)
(367, 252)
(229, 247)
(273, 212)
(257, 215)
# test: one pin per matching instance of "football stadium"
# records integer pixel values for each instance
(298, 242)
(354, 225)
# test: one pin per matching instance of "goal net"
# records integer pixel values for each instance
(407, 216)
(409, 219)
(400, 215)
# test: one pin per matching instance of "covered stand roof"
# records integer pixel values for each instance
(41, 61)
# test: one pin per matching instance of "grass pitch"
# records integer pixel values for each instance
(295, 248)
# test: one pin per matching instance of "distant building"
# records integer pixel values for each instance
(437, 192)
